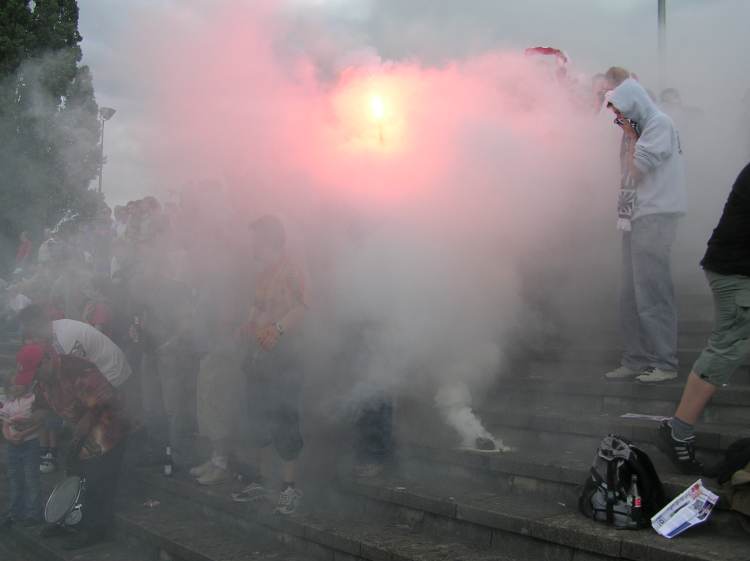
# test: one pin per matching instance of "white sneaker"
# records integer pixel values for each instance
(621, 373)
(289, 500)
(47, 463)
(201, 470)
(251, 493)
(214, 476)
(652, 375)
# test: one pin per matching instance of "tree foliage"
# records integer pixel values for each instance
(49, 130)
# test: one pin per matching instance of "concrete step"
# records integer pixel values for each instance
(326, 530)
(579, 368)
(28, 542)
(186, 530)
(539, 529)
(606, 355)
(11, 552)
(712, 437)
(689, 337)
(533, 473)
(577, 388)
(175, 529)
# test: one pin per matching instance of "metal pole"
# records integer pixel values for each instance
(662, 12)
(101, 158)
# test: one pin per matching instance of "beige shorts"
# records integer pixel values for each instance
(729, 344)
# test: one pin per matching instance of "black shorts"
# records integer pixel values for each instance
(273, 391)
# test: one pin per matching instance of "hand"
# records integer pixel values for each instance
(16, 431)
(20, 425)
(627, 128)
(267, 337)
(14, 437)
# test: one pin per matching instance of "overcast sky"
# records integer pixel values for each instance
(707, 42)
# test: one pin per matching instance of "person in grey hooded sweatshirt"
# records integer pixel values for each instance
(652, 199)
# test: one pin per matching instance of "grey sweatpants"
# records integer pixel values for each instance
(648, 313)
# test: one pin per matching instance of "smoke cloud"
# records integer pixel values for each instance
(446, 210)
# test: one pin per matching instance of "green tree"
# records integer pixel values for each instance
(49, 130)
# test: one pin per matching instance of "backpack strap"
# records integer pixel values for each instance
(652, 490)
(611, 492)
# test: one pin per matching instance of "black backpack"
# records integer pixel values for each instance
(605, 493)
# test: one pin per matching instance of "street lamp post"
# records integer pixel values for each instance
(662, 15)
(105, 114)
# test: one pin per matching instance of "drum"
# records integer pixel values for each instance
(65, 502)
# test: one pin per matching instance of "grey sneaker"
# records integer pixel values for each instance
(251, 493)
(289, 500)
(621, 373)
(47, 463)
(656, 376)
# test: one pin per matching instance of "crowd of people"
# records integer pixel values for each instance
(139, 327)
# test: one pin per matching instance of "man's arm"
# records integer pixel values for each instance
(653, 147)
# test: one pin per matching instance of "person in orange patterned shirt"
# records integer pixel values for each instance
(273, 364)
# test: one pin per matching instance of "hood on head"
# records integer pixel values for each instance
(633, 101)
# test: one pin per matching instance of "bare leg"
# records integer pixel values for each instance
(695, 397)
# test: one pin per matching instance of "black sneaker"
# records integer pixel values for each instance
(681, 452)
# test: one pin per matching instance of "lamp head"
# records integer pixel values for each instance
(106, 113)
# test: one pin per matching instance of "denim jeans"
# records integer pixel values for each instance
(647, 305)
(23, 479)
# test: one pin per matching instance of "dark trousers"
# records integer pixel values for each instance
(373, 431)
(102, 475)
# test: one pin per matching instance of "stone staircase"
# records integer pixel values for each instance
(437, 502)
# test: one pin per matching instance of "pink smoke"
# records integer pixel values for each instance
(237, 103)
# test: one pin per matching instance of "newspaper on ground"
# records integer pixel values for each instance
(691, 507)
(641, 417)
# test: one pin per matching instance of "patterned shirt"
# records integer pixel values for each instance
(77, 389)
(278, 290)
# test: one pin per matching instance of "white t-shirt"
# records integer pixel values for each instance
(77, 338)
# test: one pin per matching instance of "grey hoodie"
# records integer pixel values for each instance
(657, 153)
